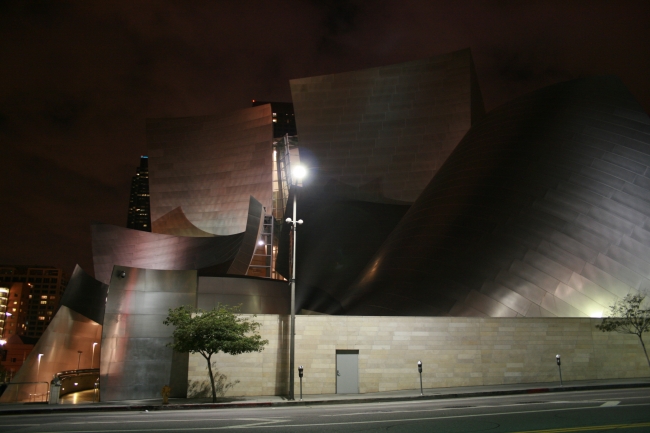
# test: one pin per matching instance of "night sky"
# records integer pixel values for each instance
(78, 79)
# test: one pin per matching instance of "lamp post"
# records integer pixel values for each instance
(92, 360)
(79, 361)
(298, 172)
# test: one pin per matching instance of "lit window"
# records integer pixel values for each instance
(275, 120)
(43, 302)
(41, 317)
(44, 297)
(52, 297)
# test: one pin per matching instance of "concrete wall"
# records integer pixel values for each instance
(454, 351)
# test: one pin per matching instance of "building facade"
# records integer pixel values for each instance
(481, 244)
(34, 296)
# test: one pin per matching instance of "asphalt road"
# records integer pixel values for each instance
(623, 411)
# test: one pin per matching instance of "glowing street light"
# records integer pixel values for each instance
(38, 370)
(298, 173)
(92, 360)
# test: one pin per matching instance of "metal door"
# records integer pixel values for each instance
(347, 371)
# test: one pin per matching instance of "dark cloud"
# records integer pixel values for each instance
(79, 78)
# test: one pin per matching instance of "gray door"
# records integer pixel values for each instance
(347, 371)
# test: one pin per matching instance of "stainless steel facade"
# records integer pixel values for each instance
(136, 363)
(542, 210)
(255, 295)
(232, 254)
(210, 166)
(385, 131)
(176, 223)
(85, 295)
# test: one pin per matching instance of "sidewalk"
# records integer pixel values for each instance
(311, 400)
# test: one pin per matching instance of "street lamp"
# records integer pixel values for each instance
(79, 361)
(298, 173)
(38, 369)
(92, 360)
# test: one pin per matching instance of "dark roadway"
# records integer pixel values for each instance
(586, 411)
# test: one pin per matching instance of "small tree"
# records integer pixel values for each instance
(627, 317)
(221, 329)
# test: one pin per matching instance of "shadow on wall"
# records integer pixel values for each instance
(202, 388)
(282, 370)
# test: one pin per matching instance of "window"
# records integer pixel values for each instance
(43, 302)
(41, 317)
(44, 297)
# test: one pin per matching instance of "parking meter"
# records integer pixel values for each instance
(300, 370)
(559, 366)
(420, 371)
(557, 359)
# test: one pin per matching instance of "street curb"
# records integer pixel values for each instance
(194, 406)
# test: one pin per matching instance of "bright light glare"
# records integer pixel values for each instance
(3, 342)
(260, 242)
(299, 172)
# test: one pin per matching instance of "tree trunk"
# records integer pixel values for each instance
(214, 391)
(644, 349)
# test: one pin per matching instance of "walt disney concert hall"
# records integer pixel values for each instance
(417, 203)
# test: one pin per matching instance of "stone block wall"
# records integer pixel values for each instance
(454, 352)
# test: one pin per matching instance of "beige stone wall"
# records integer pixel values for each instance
(454, 351)
(263, 373)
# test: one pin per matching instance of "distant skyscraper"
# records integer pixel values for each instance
(139, 214)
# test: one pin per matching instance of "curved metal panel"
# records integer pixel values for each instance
(114, 245)
(85, 295)
(57, 350)
(386, 130)
(136, 362)
(335, 243)
(176, 223)
(254, 222)
(542, 210)
(210, 165)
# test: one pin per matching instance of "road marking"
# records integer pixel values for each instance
(324, 424)
(590, 428)
(610, 403)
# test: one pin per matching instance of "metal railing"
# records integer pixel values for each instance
(26, 392)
